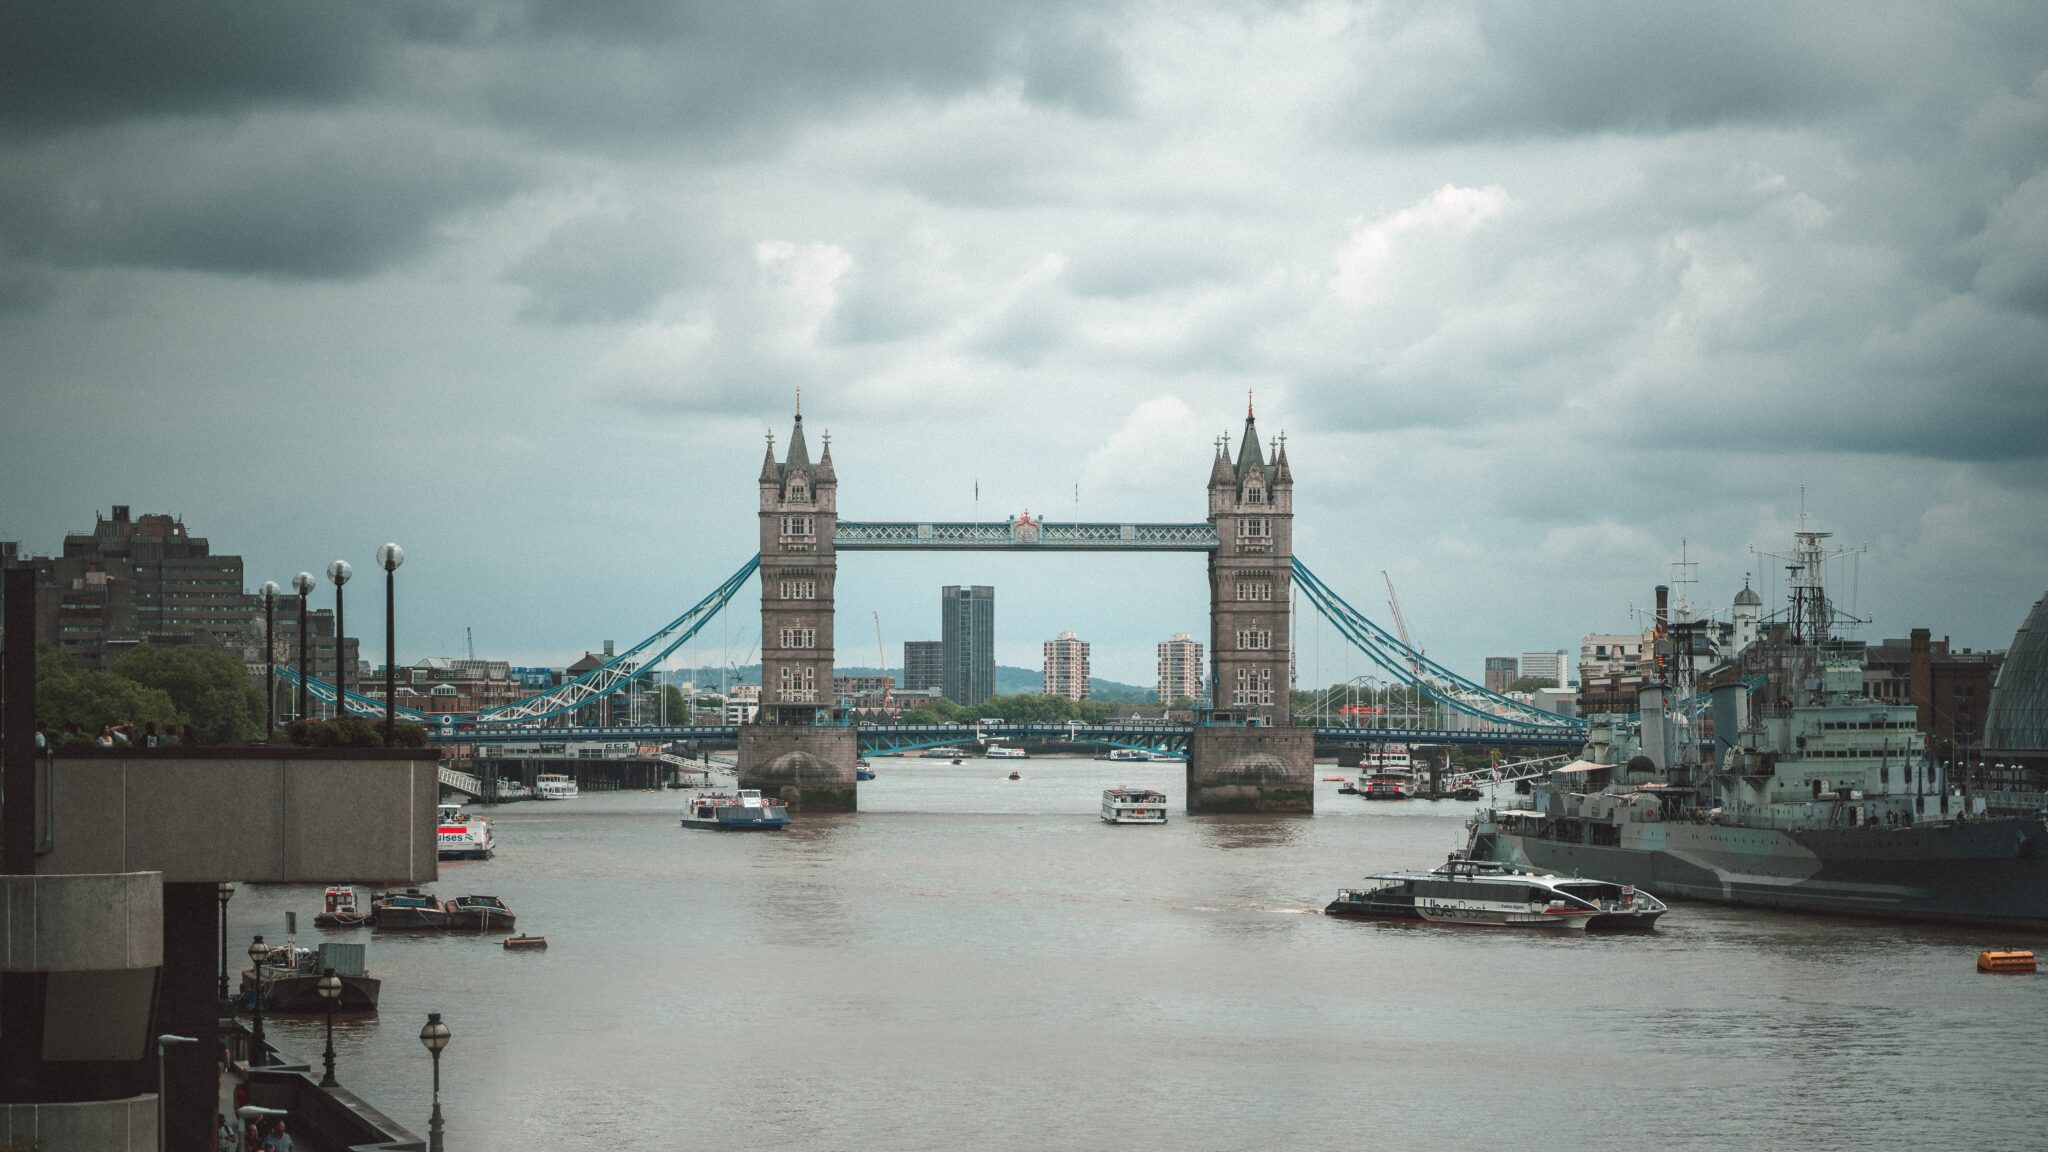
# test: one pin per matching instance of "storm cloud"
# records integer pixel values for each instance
(1539, 292)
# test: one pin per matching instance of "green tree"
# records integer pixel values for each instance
(210, 687)
(93, 700)
(673, 705)
(1531, 683)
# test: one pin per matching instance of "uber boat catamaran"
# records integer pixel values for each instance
(1490, 893)
(1121, 805)
(743, 811)
(555, 786)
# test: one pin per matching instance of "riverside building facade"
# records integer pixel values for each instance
(1066, 667)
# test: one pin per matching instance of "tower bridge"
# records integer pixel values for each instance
(1246, 752)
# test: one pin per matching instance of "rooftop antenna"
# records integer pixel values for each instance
(1682, 578)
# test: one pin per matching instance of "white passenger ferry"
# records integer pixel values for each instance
(554, 786)
(1489, 893)
(1121, 805)
(1005, 752)
(743, 811)
(464, 837)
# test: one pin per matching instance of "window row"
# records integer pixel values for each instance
(1254, 589)
(1254, 639)
(798, 686)
(797, 589)
(799, 637)
(1254, 686)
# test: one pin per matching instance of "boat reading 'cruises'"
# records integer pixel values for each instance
(743, 811)
(1486, 892)
(464, 837)
(1123, 805)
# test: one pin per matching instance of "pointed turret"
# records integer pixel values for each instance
(823, 473)
(771, 472)
(799, 454)
(1281, 473)
(1248, 454)
(1219, 472)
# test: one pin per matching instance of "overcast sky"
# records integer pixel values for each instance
(1537, 292)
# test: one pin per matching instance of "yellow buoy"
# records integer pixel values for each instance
(2005, 961)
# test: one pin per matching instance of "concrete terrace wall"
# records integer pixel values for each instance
(267, 815)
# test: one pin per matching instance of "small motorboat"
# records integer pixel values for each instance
(523, 942)
(1015, 776)
(408, 910)
(479, 914)
(861, 770)
(957, 760)
(1468, 792)
(744, 811)
(341, 910)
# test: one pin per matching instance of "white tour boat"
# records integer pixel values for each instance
(1121, 805)
(464, 837)
(1127, 755)
(1004, 752)
(554, 786)
(743, 811)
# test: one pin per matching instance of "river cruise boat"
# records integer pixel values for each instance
(1387, 784)
(945, 753)
(1127, 756)
(464, 837)
(479, 914)
(555, 786)
(288, 979)
(340, 910)
(1124, 805)
(743, 811)
(408, 910)
(1005, 752)
(1485, 892)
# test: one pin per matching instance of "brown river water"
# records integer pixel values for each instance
(978, 963)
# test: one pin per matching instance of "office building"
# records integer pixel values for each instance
(1500, 673)
(1180, 669)
(1553, 666)
(1066, 667)
(924, 665)
(968, 636)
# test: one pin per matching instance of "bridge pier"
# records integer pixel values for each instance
(810, 767)
(1244, 769)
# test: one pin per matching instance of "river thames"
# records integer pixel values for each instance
(979, 963)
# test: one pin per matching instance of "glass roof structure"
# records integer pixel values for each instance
(2017, 719)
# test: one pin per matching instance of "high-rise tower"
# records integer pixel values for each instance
(1251, 503)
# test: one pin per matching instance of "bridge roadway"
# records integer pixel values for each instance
(884, 738)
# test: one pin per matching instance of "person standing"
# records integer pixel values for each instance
(280, 1140)
(225, 1139)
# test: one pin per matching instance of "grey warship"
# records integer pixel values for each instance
(1781, 786)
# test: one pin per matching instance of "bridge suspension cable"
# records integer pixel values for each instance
(601, 681)
(1411, 667)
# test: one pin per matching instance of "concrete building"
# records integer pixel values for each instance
(1500, 673)
(1066, 667)
(1611, 653)
(1180, 669)
(924, 665)
(285, 644)
(1555, 666)
(135, 580)
(967, 635)
(742, 703)
(862, 692)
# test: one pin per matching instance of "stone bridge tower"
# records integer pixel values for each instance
(797, 748)
(1249, 757)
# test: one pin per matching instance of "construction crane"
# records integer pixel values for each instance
(1401, 624)
(881, 661)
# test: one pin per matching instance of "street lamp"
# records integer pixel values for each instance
(435, 1037)
(330, 995)
(339, 572)
(257, 1056)
(269, 659)
(165, 1043)
(303, 585)
(389, 557)
(224, 893)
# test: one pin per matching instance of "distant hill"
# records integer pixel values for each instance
(1010, 681)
